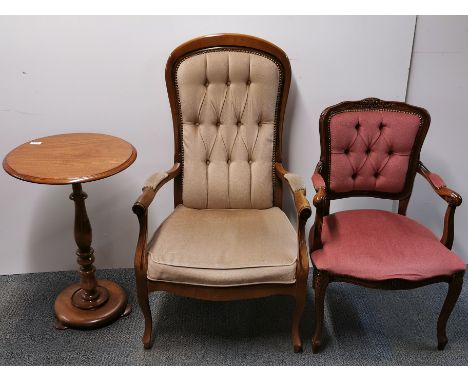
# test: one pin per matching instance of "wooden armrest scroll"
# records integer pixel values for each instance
(152, 186)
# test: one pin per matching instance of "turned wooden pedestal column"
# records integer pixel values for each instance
(75, 159)
(89, 303)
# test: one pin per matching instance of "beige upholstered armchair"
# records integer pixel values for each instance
(227, 237)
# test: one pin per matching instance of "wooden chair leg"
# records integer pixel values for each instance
(455, 287)
(320, 282)
(143, 300)
(296, 320)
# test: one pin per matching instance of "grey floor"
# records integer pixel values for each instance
(363, 327)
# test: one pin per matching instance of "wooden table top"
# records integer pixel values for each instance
(69, 158)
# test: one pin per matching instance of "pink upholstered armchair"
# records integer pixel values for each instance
(371, 148)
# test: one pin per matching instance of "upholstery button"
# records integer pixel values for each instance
(390, 152)
(368, 151)
(229, 161)
(381, 126)
(228, 83)
(206, 84)
(248, 82)
(354, 176)
(239, 123)
(250, 161)
(218, 123)
(376, 175)
(358, 126)
(346, 151)
(207, 161)
(197, 123)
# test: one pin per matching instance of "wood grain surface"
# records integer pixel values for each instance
(69, 158)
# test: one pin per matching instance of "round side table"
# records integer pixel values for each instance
(75, 159)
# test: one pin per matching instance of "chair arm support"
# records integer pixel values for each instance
(321, 205)
(140, 208)
(297, 187)
(451, 197)
(439, 186)
(319, 185)
(303, 211)
(152, 186)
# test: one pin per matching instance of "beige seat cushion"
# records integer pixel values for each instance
(224, 247)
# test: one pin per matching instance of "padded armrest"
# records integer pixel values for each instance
(439, 186)
(436, 181)
(154, 180)
(152, 186)
(317, 181)
(297, 186)
(296, 182)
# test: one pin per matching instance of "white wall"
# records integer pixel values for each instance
(439, 82)
(106, 74)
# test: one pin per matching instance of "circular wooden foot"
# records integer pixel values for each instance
(68, 315)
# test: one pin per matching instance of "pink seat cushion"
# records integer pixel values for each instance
(381, 245)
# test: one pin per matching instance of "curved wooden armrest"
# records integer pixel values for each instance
(144, 200)
(437, 183)
(303, 211)
(140, 208)
(296, 185)
(451, 197)
(152, 186)
(302, 206)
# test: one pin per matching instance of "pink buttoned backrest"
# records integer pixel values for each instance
(373, 150)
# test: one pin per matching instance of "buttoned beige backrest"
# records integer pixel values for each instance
(229, 100)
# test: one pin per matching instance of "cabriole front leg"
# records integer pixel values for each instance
(321, 280)
(454, 290)
(90, 303)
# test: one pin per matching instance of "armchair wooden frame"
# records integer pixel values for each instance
(140, 208)
(322, 198)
